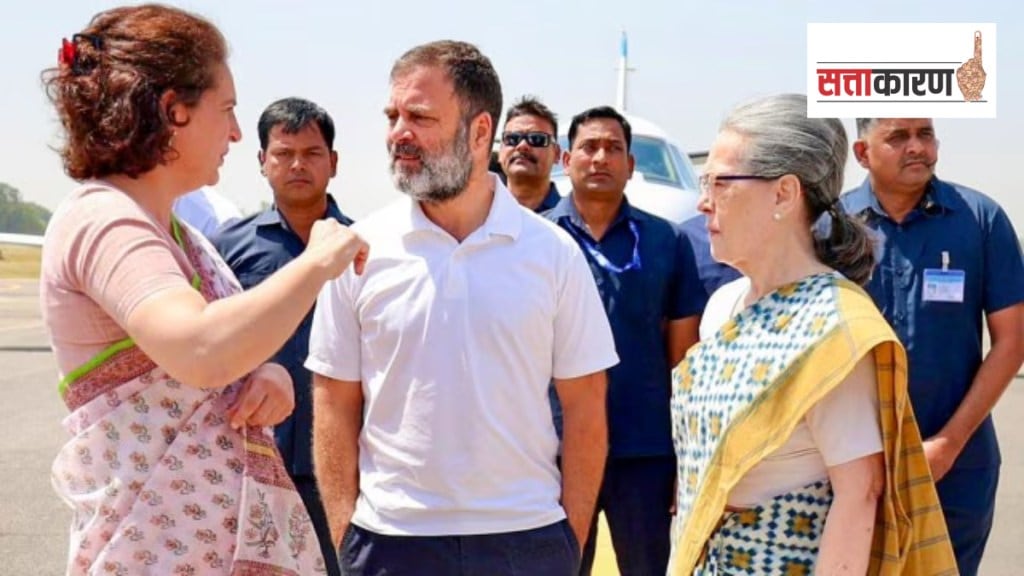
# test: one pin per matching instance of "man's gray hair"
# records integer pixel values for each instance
(864, 125)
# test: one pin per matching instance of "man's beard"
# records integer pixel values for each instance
(441, 177)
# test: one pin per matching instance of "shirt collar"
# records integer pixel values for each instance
(943, 195)
(550, 200)
(566, 209)
(936, 200)
(269, 217)
(272, 216)
(862, 199)
(505, 217)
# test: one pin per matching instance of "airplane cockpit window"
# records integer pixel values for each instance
(687, 172)
(656, 159)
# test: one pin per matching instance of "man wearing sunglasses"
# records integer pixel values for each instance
(528, 151)
(648, 282)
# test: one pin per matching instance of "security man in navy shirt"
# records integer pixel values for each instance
(298, 159)
(713, 274)
(528, 151)
(646, 276)
(948, 259)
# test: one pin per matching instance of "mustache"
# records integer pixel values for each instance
(524, 156)
(917, 160)
(407, 149)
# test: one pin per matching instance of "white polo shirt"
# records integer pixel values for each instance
(455, 346)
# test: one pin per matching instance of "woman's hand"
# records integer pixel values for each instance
(334, 247)
(266, 399)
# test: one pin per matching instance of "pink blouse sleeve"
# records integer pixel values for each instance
(117, 256)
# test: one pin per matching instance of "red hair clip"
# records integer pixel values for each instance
(67, 53)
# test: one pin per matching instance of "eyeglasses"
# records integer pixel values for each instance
(707, 181)
(534, 139)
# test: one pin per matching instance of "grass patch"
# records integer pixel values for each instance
(19, 261)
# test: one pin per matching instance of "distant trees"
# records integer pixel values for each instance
(18, 216)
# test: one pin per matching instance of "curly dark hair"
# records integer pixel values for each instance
(109, 98)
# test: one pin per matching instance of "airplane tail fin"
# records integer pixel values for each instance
(620, 95)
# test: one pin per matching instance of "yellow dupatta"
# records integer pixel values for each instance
(910, 535)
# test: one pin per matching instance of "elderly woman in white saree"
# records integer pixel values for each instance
(797, 448)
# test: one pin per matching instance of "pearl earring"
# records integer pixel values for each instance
(777, 216)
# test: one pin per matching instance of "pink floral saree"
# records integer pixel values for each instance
(157, 480)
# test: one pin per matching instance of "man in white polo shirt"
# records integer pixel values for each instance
(433, 441)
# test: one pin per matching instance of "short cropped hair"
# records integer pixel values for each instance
(532, 106)
(597, 113)
(473, 76)
(292, 115)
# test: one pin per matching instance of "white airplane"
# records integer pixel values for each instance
(21, 239)
(664, 181)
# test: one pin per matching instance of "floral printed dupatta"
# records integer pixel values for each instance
(157, 480)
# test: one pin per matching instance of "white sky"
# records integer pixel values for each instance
(694, 61)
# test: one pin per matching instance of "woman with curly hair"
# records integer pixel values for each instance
(170, 468)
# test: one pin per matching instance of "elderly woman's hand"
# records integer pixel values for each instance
(267, 398)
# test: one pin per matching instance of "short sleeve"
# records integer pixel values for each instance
(582, 336)
(335, 348)
(1004, 267)
(117, 256)
(688, 296)
(845, 424)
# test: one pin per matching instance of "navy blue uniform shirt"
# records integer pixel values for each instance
(550, 201)
(255, 248)
(713, 274)
(943, 339)
(662, 285)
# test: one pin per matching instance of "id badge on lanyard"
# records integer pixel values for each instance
(943, 285)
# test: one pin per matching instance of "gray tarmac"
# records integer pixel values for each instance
(34, 522)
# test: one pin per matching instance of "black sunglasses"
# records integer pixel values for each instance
(534, 139)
